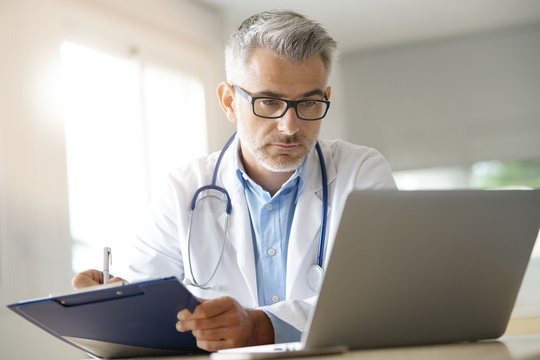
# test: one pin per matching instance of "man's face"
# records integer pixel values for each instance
(278, 145)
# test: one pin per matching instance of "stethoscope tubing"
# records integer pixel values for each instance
(324, 177)
(220, 157)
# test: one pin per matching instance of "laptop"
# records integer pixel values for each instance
(417, 268)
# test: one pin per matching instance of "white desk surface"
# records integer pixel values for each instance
(518, 347)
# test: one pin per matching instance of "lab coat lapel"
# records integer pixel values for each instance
(239, 233)
(304, 232)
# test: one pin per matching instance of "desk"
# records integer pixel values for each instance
(507, 348)
(519, 347)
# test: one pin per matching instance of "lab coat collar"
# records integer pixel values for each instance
(312, 171)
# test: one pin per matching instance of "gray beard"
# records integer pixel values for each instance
(266, 161)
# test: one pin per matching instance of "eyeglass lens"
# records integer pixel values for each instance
(309, 109)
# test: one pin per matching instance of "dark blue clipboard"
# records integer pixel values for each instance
(130, 320)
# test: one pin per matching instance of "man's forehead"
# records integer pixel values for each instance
(274, 75)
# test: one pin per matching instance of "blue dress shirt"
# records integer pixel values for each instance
(271, 220)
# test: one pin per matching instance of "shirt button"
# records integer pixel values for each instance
(275, 298)
(271, 252)
(269, 207)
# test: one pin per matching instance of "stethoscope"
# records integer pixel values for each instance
(315, 273)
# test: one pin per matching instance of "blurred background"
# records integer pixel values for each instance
(99, 98)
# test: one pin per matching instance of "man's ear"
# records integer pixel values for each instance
(226, 93)
(328, 91)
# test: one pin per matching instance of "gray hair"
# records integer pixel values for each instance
(286, 33)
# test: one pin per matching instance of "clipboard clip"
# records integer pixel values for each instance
(99, 293)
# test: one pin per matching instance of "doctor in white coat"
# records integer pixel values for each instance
(255, 272)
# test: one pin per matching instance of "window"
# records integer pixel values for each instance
(485, 175)
(433, 178)
(499, 174)
(127, 123)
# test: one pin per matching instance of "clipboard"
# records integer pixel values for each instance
(131, 320)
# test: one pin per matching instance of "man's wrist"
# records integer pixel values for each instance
(263, 330)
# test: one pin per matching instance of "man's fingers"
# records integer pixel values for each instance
(211, 314)
(214, 345)
(218, 334)
(219, 323)
(87, 278)
(214, 307)
(188, 323)
(115, 279)
(183, 315)
(90, 278)
(81, 281)
(206, 310)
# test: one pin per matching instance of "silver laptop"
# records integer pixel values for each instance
(419, 267)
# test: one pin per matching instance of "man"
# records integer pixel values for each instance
(255, 279)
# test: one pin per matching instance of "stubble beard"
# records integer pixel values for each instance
(281, 162)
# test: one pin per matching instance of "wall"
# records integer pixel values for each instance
(449, 102)
(34, 230)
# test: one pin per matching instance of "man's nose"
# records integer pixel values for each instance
(288, 123)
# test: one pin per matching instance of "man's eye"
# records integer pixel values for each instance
(308, 103)
(270, 102)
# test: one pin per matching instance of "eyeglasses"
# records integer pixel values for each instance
(274, 108)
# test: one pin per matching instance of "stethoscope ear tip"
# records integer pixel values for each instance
(187, 282)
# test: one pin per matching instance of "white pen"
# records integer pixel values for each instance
(107, 259)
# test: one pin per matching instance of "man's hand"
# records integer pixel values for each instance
(89, 278)
(223, 323)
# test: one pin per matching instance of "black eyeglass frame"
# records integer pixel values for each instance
(290, 104)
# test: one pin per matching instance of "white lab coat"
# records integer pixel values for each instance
(161, 248)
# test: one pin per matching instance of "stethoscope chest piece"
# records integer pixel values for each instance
(315, 277)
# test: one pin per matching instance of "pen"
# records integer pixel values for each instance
(107, 259)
